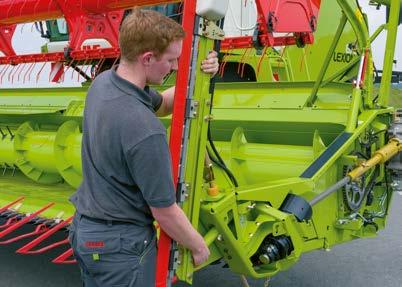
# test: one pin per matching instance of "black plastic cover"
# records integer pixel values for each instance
(297, 206)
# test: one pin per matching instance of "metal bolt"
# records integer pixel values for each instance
(208, 118)
(264, 259)
(341, 221)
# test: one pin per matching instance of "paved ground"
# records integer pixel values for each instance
(370, 263)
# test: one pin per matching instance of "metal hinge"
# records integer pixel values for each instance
(210, 30)
(191, 108)
(174, 258)
(183, 191)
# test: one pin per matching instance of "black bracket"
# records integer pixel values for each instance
(297, 206)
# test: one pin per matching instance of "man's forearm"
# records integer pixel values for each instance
(175, 223)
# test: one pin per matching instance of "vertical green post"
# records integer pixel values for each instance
(392, 29)
(196, 150)
(327, 60)
(354, 110)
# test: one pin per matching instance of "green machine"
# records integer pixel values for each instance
(294, 152)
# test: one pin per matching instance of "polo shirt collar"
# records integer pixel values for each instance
(130, 89)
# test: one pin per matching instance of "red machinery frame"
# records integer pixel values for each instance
(102, 19)
(6, 34)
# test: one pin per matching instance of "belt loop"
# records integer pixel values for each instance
(78, 216)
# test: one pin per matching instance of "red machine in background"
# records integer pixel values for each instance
(101, 19)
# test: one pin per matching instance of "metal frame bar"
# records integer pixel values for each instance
(176, 134)
(310, 101)
(392, 30)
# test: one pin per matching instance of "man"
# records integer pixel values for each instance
(127, 180)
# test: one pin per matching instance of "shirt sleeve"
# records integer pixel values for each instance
(150, 166)
(156, 99)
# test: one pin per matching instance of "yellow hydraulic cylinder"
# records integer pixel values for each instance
(380, 156)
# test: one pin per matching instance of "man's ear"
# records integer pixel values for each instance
(147, 58)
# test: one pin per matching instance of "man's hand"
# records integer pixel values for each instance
(211, 64)
(200, 255)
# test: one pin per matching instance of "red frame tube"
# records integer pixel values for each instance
(63, 258)
(23, 221)
(40, 229)
(24, 11)
(4, 208)
(176, 133)
(27, 249)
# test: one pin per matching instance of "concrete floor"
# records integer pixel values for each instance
(369, 262)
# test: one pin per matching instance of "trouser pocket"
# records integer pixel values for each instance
(100, 253)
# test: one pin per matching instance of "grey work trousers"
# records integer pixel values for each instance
(113, 254)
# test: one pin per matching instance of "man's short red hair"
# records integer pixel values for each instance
(147, 30)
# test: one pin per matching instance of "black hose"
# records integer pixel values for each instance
(224, 167)
(80, 71)
(217, 159)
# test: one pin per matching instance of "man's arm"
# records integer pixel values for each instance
(150, 166)
(175, 223)
(166, 107)
(210, 66)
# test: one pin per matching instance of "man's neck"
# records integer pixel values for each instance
(133, 73)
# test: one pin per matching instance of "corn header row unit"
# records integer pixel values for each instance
(289, 149)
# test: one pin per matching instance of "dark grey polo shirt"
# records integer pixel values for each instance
(126, 162)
